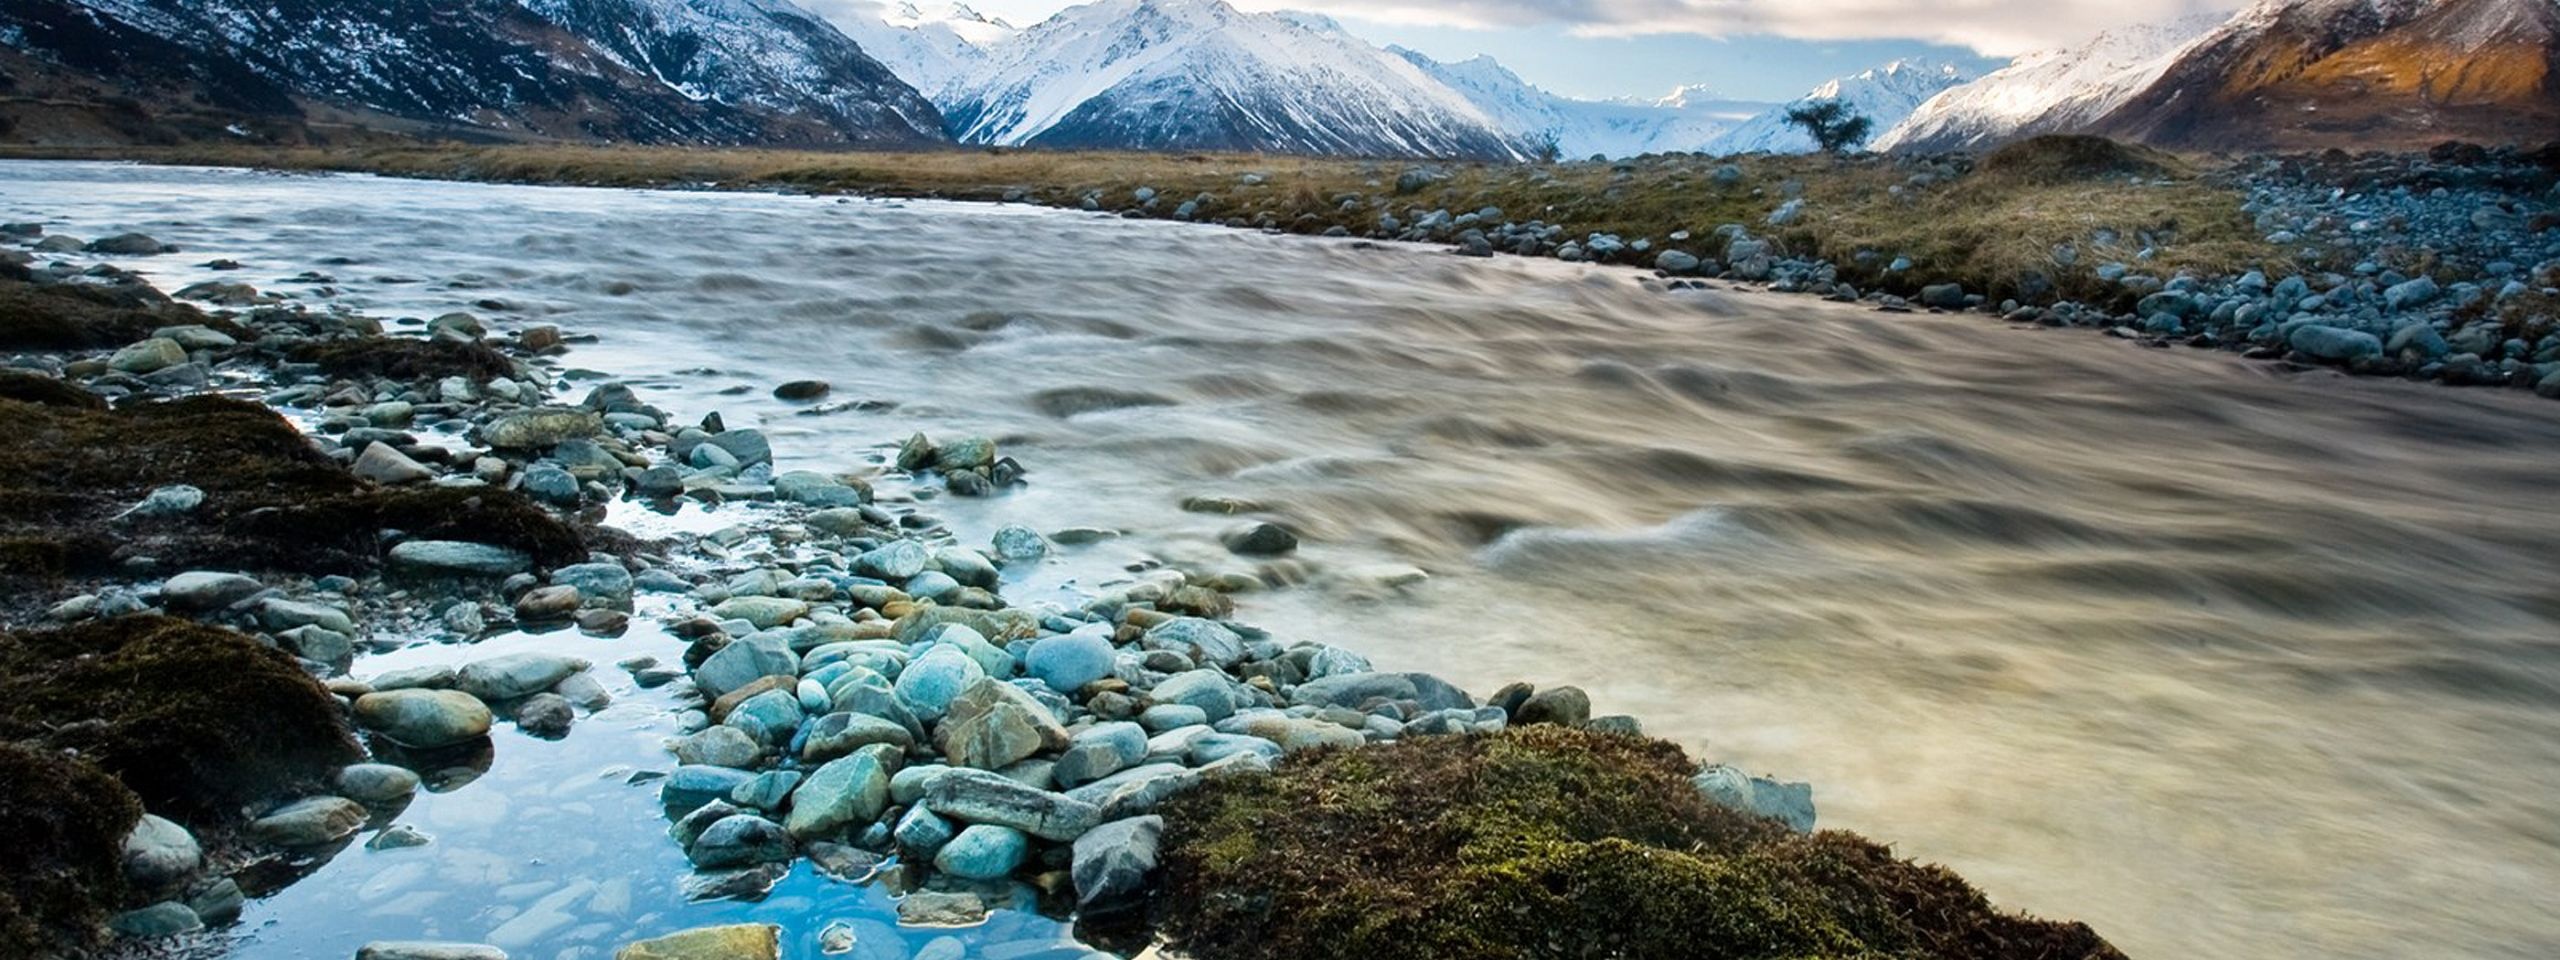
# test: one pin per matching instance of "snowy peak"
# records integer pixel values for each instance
(666, 71)
(931, 52)
(1684, 122)
(2049, 91)
(1203, 75)
(1885, 95)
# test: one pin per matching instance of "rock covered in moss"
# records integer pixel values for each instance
(197, 720)
(66, 822)
(1546, 841)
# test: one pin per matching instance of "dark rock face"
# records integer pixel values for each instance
(652, 71)
(2359, 76)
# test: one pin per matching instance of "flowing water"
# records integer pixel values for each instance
(2227, 662)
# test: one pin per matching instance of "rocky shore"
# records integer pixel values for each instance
(2442, 266)
(200, 577)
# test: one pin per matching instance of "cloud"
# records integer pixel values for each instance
(1993, 27)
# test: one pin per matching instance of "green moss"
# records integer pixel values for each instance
(271, 501)
(79, 316)
(1546, 842)
(65, 822)
(198, 721)
(37, 388)
(403, 358)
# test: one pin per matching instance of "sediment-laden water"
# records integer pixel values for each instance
(2227, 662)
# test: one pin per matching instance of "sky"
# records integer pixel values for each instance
(1746, 49)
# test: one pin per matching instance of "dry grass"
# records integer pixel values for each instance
(1994, 229)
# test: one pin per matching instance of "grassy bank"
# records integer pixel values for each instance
(2038, 218)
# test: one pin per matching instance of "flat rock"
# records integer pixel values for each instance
(457, 558)
(203, 590)
(980, 796)
(427, 950)
(737, 941)
(515, 675)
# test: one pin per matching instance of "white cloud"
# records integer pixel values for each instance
(1993, 27)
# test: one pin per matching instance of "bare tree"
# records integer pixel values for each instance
(1835, 125)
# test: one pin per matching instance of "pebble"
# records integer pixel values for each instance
(376, 782)
(309, 822)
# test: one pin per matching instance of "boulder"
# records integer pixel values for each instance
(1204, 641)
(983, 852)
(1068, 661)
(979, 796)
(1113, 861)
(159, 853)
(540, 428)
(204, 590)
(1787, 803)
(844, 793)
(992, 724)
(424, 718)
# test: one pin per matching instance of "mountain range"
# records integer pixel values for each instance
(695, 71)
(1200, 75)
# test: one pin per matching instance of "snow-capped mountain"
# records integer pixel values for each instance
(931, 52)
(1884, 95)
(1202, 75)
(700, 71)
(2051, 91)
(1685, 120)
(2357, 73)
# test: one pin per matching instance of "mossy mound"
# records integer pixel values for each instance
(66, 822)
(198, 721)
(402, 358)
(1547, 842)
(2074, 158)
(85, 316)
(271, 501)
(47, 391)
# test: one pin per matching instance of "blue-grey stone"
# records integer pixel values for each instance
(1787, 803)
(1066, 662)
(928, 685)
(743, 662)
(846, 792)
(1100, 751)
(983, 852)
(740, 840)
(693, 785)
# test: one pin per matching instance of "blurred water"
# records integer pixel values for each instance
(2225, 662)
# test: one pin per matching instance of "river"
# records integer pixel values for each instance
(2225, 661)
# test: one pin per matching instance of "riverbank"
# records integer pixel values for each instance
(2442, 267)
(837, 643)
